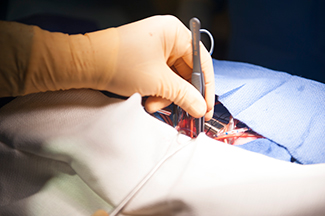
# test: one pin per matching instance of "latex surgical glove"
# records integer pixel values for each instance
(152, 57)
(163, 67)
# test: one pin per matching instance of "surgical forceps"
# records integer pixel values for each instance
(197, 75)
(182, 120)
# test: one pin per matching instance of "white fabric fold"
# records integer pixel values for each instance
(72, 152)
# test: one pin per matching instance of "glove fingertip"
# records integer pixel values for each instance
(197, 109)
(209, 115)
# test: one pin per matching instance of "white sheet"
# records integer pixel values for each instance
(72, 152)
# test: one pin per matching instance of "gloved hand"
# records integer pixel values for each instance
(158, 52)
(152, 57)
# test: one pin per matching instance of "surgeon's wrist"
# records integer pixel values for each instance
(60, 61)
(104, 48)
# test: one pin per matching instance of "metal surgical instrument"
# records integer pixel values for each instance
(197, 75)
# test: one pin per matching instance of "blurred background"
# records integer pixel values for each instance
(286, 35)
